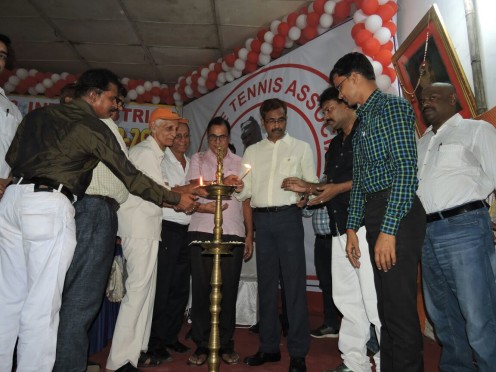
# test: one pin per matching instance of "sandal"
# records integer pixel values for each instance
(148, 359)
(229, 356)
(199, 357)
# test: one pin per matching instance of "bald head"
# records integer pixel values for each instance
(438, 103)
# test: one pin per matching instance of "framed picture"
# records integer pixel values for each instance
(427, 56)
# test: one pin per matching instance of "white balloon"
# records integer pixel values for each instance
(383, 82)
(178, 103)
(132, 94)
(359, 16)
(22, 73)
(229, 77)
(202, 89)
(263, 59)
(40, 88)
(64, 75)
(325, 20)
(34, 71)
(382, 2)
(268, 37)
(301, 21)
(321, 30)
(124, 80)
(31, 90)
(181, 78)
(211, 66)
(204, 72)
(9, 88)
(243, 54)
(329, 7)
(357, 49)
(219, 84)
(289, 43)
(176, 86)
(248, 43)
(14, 80)
(202, 81)
(294, 33)
(225, 67)
(221, 77)
(383, 35)
(266, 48)
(239, 64)
(377, 68)
(373, 23)
(188, 91)
(140, 89)
(155, 83)
(48, 83)
(274, 25)
(177, 96)
(188, 80)
(147, 85)
(236, 73)
(155, 100)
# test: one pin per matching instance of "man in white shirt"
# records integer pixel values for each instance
(173, 268)
(279, 234)
(456, 161)
(10, 116)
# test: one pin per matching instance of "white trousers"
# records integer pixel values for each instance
(353, 292)
(37, 242)
(132, 330)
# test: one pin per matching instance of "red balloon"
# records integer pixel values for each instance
(370, 7)
(390, 72)
(386, 12)
(292, 19)
(388, 46)
(236, 51)
(362, 36)
(342, 10)
(140, 99)
(22, 87)
(252, 57)
(318, 6)
(371, 47)
(250, 67)
(147, 96)
(194, 85)
(255, 45)
(313, 19)
(212, 75)
(218, 67)
(393, 5)
(303, 10)
(39, 76)
(210, 84)
(72, 78)
(131, 84)
(275, 54)
(155, 91)
(169, 100)
(197, 94)
(164, 93)
(278, 41)
(309, 33)
(50, 93)
(261, 34)
(283, 29)
(358, 4)
(194, 79)
(356, 28)
(392, 27)
(384, 57)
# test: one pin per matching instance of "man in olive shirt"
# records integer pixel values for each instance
(52, 157)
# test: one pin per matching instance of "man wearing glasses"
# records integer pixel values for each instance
(279, 238)
(383, 195)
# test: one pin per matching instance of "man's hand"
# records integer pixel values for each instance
(2, 190)
(187, 204)
(4, 182)
(234, 180)
(326, 193)
(248, 247)
(210, 207)
(352, 249)
(385, 251)
(295, 184)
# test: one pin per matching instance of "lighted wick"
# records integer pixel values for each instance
(248, 169)
(201, 181)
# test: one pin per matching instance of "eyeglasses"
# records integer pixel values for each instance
(340, 85)
(215, 138)
(182, 136)
(276, 121)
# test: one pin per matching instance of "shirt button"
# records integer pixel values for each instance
(341, 154)
(337, 166)
(335, 211)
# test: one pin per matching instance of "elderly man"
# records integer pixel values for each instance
(383, 196)
(279, 237)
(456, 173)
(52, 156)
(96, 229)
(10, 117)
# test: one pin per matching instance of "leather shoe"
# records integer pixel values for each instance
(297, 365)
(260, 358)
(128, 367)
(178, 347)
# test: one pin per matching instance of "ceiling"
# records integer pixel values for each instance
(141, 39)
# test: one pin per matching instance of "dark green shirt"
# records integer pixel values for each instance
(63, 143)
(384, 157)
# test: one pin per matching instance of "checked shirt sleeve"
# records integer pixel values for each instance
(357, 196)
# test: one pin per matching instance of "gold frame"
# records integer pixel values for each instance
(446, 66)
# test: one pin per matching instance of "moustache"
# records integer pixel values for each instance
(276, 130)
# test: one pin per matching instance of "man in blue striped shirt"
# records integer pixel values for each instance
(383, 195)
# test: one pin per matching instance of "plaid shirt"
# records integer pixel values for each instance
(384, 156)
(320, 220)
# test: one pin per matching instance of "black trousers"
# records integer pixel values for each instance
(401, 337)
(201, 272)
(172, 292)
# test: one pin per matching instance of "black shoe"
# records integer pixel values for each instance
(178, 347)
(260, 358)
(163, 355)
(297, 365)
(128, 367)
(254, 328)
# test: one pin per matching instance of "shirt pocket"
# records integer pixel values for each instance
(452, 156)
(289, 166)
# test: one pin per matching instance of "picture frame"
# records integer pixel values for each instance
(441, 65)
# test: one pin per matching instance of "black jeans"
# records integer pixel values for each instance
(172, 291)
(401, 338)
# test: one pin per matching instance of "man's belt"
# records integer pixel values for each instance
(274, 209)
(42, 184)
(111, 201)
(464, 208)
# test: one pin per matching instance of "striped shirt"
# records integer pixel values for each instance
(384, 157)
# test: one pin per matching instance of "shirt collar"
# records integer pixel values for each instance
(155, 147)
(170, 155)
(451, 122)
